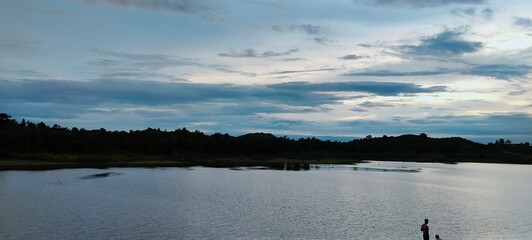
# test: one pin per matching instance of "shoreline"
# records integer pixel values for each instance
(66, 163)
(38, 165)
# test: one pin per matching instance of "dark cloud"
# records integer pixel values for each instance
(179, 6)
(293, 59)
(464, 12)
(141, 60)
(352, 57)
(371, 126)
(157, 93)
(446, 43)
(202, 7)
(518, 92)
(141, 75)
(278, 28)
(376, 44)
(304, 71)
(378, 88)
(417, 3)
(387, 73)
(500, 71)
(318, 33)
(251, 53)
(368, 104)
(142, 63)
(321, 40)
(487, 13)
(225, 69)
(150, 93)
(524, 22)
(301, 28)
(285, 124)
(247, 108)
(276, 54)
(357, 109)
(366, 45)
(310, 29)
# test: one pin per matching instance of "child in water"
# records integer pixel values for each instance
(438, 237)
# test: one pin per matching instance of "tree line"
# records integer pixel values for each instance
(26, 137)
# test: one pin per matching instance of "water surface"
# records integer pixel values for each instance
(376, 200)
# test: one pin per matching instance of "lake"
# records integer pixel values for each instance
(374, 200)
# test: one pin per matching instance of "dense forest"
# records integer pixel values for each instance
(38, 141)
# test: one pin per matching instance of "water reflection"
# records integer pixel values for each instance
(280, 166)
(293, 167)
(370, 169)
(100, 175)
(328, 167)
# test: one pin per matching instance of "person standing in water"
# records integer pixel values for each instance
(425, 230)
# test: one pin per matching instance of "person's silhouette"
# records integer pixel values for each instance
(425, 230)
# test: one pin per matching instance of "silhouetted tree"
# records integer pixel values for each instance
(4, 117)
(30, 138)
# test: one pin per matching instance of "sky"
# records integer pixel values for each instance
(333, 69)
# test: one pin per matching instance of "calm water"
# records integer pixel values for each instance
(386, 200)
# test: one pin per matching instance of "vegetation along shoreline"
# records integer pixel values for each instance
(29, 146)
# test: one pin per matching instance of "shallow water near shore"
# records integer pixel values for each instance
(374, 200)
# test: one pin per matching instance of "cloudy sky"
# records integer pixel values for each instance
(333, 69)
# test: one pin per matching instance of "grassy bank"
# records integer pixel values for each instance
(54, 161)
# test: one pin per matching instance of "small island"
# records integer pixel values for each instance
(26, 145)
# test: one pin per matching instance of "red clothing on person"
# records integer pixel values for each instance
(425, 229)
